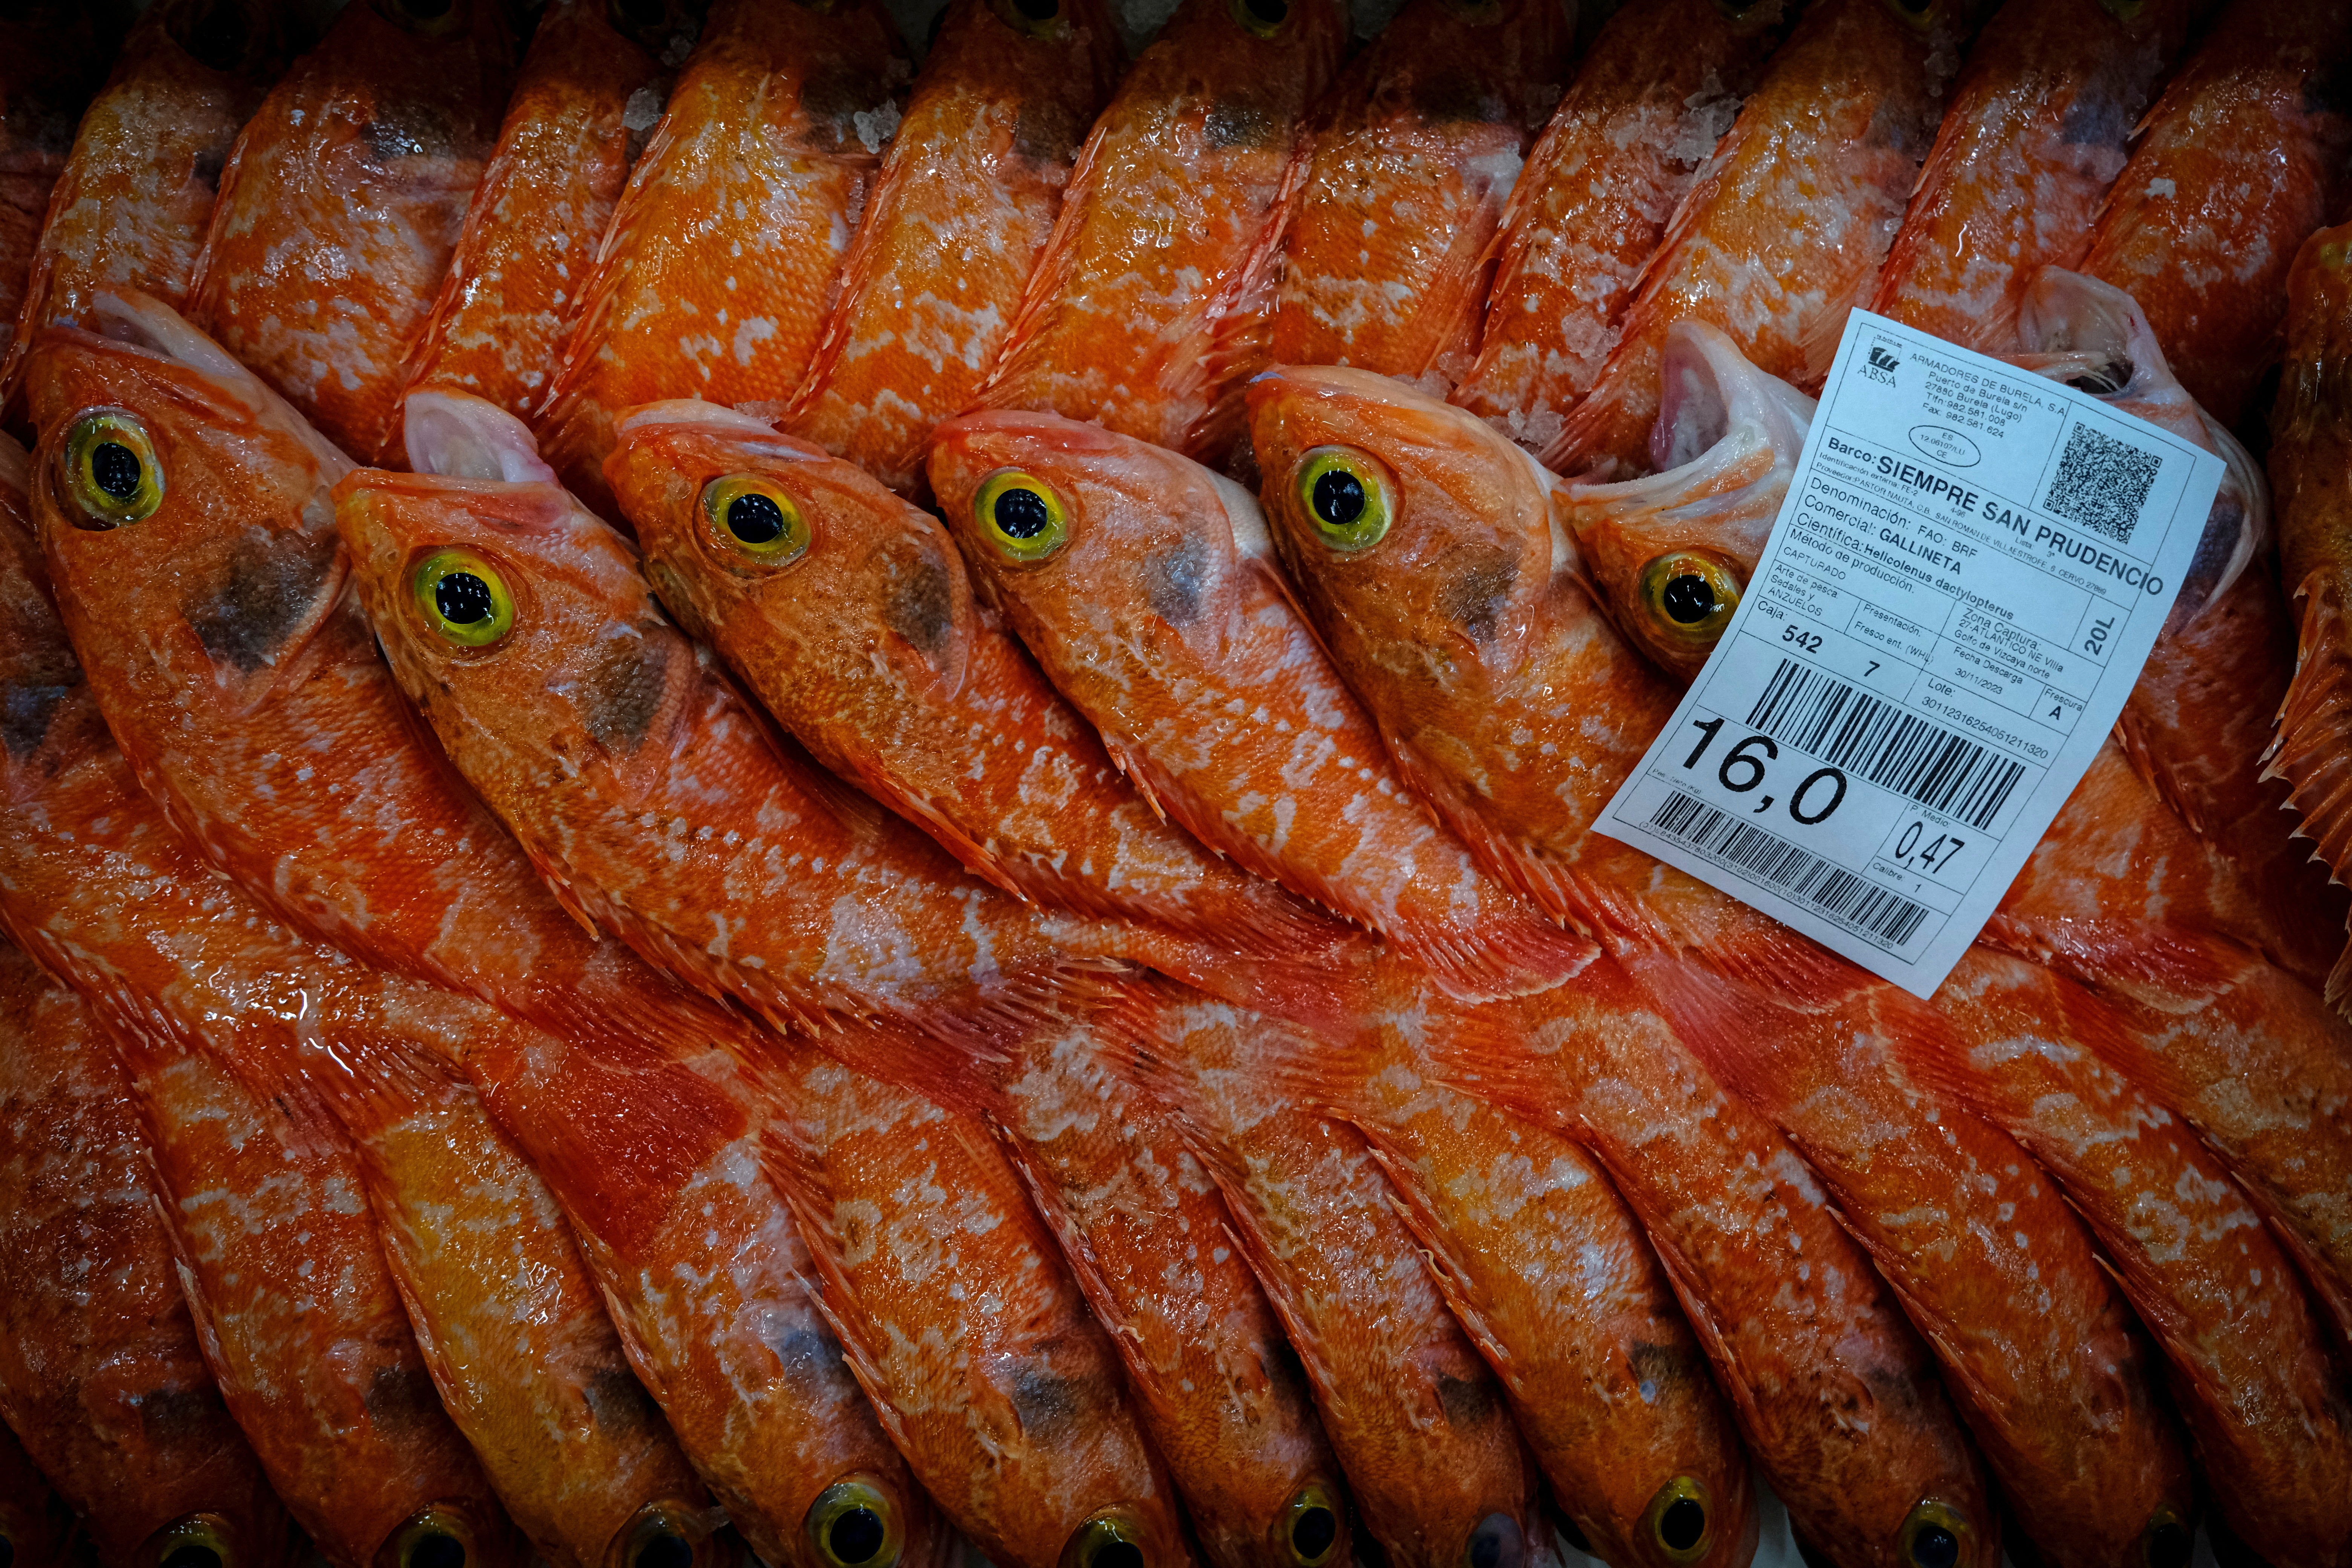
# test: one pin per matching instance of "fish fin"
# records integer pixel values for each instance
(1411, 1201)
(632, 1345)
(1238, 326)
(960, 1080)
(2311, 749)
(1056, 268)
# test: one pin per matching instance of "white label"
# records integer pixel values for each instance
(1970, 569)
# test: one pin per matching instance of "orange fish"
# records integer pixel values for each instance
(849, 614)
(99, 1370)
(1387, 261)
(260, 600)
(825, 903)
(342, 202)
(965, 202)
(2243, 156)
(57, 56)
(2038, 128)
(583, 103)
(1784, 231)
(1151, 303)
(1143, 584)
(727, 250)
(133, 202)
(1656, 92)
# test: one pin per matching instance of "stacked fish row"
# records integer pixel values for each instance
(915, 874)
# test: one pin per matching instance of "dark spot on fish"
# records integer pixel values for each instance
(1468, 1401)
(1046, 132)
(2095, 120)
(25, 714)
(1664, 1365)
(618, 1401)
(1474, 597)
(400, 1394)
(207, 170)
(622, 694)
(812, 1360)
(1456, 97)
(408, 128)
(170, 1415)
(1283, 1368)
(1173, 579)
(1239, 122)
(1054, 1406)
(271, 588)
(920, 605)
(834, 97)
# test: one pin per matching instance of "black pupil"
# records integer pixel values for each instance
(1022, 514)
(667, 1549)
(2168, 1546)
(1037, 10)
(190, 1554)
(1682, 1523)
(1270, 12)
(1689, 599)
(1313, 1531)
(1119, 1554)
(463, 599)
(754, 519)
(1935, 1547)
(856, 1536)
(437, 1551)
(7, 1552)
(114, 468)
(1338, 498)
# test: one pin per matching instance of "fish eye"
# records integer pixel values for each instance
(1113, 1537)
(433, 1537)
(1934, 1535)
(1687, 598)
(662, 1535)
(753, 517)
(112, 477)
(1020, 514)
(1496, 1542)
(1038, 19)
(432, 18)
(1347, 496)
(193, 1540)
(1678, 1522)
(854, 1524)
(1309, 1526)
(2165, 1542)
(1262, 17)
(463, 597)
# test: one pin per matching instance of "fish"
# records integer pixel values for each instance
(1785, 229)
(2038, 128)
(845, 909)
(1151, 304)
(135, 200)
(1908, 1165)
(2240, 160)
(1137, 579)
(58, 58)
(584, 101)
(343, 201)
(858, 628)
(1657, 90)
(100, 1373)
(1386, 263)
(716, 274)
(450, 900)
(966, 199)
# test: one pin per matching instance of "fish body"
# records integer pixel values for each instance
(1785, 229)
(132, 204)
(1149, 598)
(585, 100)
(1151, 303)
(1653, 94)
(965, 202)
(341, 204)
(2239, 161)
(726, 252)
(445, 895)
(2039, 126)
(57, 57)
(1386, 263)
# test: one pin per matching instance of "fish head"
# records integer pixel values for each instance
(749, 530)
(183, 508)
(515, 618)
(443, 1535)
(1671, 553)
(671, 1535)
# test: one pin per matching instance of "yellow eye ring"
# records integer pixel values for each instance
(754, 516)
(1264, 18)
(661, 1535)
(1922, 14)
(111, 476)
(1678, 1522)
(854, 1524)
(1346, 494)
(1020, 515)
(194, 1540)
(1688, 596)
(1934, 1535)
(1036, 18)
(1112, 1537)
(1310, 1532)
(432, 1537)
(2165, 1541)
(463, 598)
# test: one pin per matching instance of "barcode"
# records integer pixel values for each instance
(2102, 484)
(1781, 864)
(1902, 751)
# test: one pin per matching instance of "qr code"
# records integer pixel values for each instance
(2102, 484)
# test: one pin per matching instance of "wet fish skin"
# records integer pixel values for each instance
(357, 168)
(966, 199)
(1151, 303)
(1652, 95)
(57, 56)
